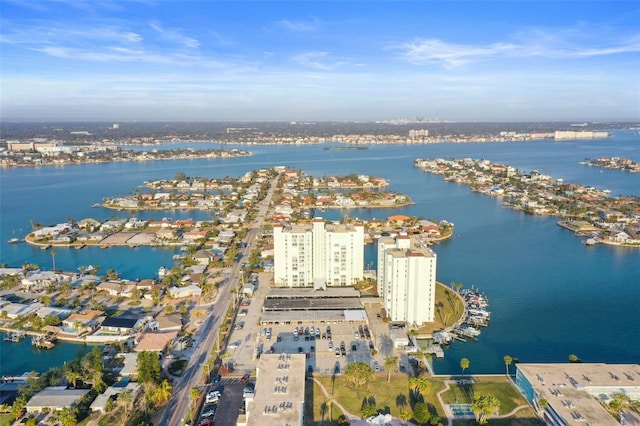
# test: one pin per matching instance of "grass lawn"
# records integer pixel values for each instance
(451, 302)
(6, 419)
(391, 397)
(506, 393)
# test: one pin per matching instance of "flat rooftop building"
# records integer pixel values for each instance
(572, 390)
(279, 391)
(297, 305)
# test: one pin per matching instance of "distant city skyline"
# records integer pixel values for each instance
(319, 61)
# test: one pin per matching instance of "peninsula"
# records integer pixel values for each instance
(587, 211)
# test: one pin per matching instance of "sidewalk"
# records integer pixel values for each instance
(348, 415)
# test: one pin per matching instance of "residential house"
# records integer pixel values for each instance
(54, 399)
(187, 291)
(119, 325)
(155, 341)
(167, 322)
(78, 321)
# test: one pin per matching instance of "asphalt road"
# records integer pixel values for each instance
(177, 409)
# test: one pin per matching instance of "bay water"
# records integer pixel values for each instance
(550, 295)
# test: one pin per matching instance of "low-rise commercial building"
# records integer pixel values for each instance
(568, 393)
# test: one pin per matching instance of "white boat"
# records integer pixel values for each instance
(14, 240)
(162, 271)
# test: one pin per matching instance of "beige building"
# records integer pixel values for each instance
(573, 391)
(279, 391)
(407, 279)
(319, 254)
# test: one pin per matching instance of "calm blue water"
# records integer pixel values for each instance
(550, 295)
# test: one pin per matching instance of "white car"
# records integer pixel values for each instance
(213, 397)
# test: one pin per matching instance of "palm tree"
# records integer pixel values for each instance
(484, 405)
(507, 362)
(225, 357)
(419, 385)
(72, 377)
(464, 364)
(194, 394)
(125, 404)
(389, 363)
(53, 258)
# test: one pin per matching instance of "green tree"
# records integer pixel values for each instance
(32, 422)
(421, 413)
(390, 363)
(507, 362)
(483, 406)
(368, 409)
(464, 364)
(45, 300)
(194, 394)
(419, 385)
(124, 403)
(619, 403)
(574, 358)
(68, 416)
(358, 374)
(52, 320)
(149, 367)
(18, 406)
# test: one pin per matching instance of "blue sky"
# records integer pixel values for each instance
(319, 60)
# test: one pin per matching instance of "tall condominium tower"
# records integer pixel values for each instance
(407, 279)
(318, 254)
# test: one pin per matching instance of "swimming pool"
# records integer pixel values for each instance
(460, 410)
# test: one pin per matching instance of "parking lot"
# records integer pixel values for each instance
(251, 339)
(228, 406)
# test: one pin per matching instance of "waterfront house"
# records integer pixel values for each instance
(54, 399)
(204, 257)
(39, 280)
(46, 311)
(236, 216)
(87, 319)
(18, 310)
(119, 325)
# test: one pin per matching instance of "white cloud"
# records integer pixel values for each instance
(298, 26)
(533, 43)
(175, 35)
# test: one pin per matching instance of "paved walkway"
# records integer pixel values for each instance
(348, 415)
(451, 416)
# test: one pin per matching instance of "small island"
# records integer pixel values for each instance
(587, 211)
(614, 163)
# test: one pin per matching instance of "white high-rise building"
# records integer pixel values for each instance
(318, 254)
(407, 279)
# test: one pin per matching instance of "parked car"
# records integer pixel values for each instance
(246, 302)
(213, 397)
(245, 378)
(217, 378)
(209, 411)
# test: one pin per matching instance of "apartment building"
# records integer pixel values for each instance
(407, 279)
(318, 254)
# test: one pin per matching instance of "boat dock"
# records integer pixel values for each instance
(44, 341)
(14, 336)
